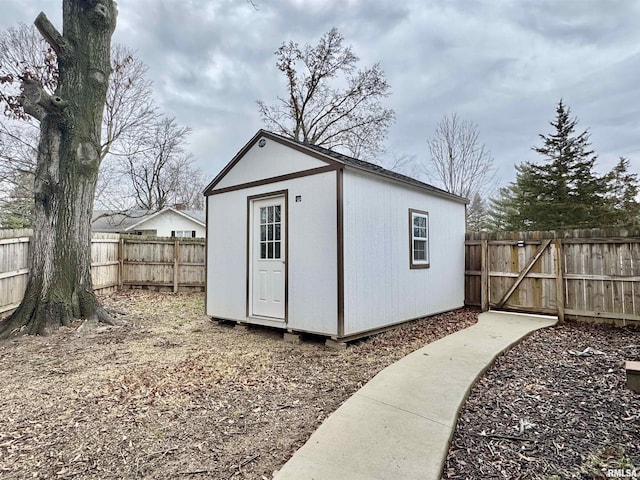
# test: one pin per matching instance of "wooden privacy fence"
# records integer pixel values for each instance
(117, 262)
(14, 263)
(165, 263)
(577, 274)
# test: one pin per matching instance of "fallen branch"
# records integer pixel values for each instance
(587, 352)
(504, 437)
(236, 470)
(161, 452)
(249, 460)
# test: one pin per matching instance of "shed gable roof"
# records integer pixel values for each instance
(330, 157)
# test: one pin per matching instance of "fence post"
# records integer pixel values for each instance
(176, 257)
(120, 263)
(484, 275)
(559, 279)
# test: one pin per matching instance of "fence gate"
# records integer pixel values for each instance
(581, 274)
(518, 275)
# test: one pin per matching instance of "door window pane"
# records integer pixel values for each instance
(271, 232)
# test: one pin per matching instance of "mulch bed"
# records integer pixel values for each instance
(554, 406)
(174, 395)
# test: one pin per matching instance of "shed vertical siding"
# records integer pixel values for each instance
(226, 254)
(380, 287)
(313, 270)
(312, 250)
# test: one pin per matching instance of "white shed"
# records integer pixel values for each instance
(308, 240)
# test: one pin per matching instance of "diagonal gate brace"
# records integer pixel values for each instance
(523, 273)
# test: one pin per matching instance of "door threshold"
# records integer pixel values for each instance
(264, 317)
(267, 321)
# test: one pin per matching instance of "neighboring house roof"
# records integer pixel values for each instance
(331, 156)
(107, 221)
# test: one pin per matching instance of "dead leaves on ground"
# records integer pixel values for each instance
(172, 394)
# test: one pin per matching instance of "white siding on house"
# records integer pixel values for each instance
(380, 288)
(169, 221)
(312, 243)
(272, 160)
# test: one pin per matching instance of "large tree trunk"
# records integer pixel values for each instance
(59, 287)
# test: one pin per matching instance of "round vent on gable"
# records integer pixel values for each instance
(262, 142)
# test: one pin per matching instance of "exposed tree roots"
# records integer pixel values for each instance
(42, 318)
(91, 323)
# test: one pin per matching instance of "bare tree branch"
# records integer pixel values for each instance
(459, 163)
(161, 174)
(129, 110)
(319, 109)
(51, 34)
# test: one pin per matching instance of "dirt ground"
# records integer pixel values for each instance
(175, 395)
(553, 407)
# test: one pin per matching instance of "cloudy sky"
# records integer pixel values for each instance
(502, 64)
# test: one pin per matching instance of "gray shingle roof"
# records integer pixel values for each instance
(198, 215)
(330, 156)
(372, 167)
(108, 221)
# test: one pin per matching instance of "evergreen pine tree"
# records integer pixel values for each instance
(561, 192)
(477, 214)
(621, 197)
(16, 208)
(516, 203)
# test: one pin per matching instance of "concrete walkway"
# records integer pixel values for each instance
(399, 425)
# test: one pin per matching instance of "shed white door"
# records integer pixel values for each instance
(268, 258)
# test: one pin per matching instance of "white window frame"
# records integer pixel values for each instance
(183, 233)
(413, 263)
